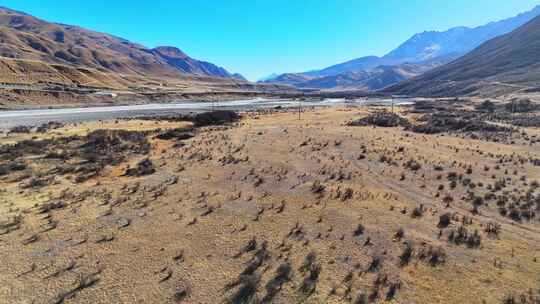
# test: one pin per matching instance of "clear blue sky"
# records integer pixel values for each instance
(259, 37)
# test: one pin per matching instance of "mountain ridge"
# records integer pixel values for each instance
(461, 39)
(434, 48)
(507, 63)
(26, 37)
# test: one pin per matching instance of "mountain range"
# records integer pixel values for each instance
(415, 56)
(33, 50)
(502, 56)
(504, 64)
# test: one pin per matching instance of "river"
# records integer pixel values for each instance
(11, 118)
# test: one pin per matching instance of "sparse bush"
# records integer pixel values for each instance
(309, 284)
(432, 256)
(359, 230)
(448, 199)
(418, 212)
(6, 168)
(308, 261)
(406, 255)
(493, 229)
(247, 289)
(348, 194)
(462, 236)
(282, 276)
(399, 234)
(215, 118)
(317, 187)
(413, 165)
(381, 119)
(144, 167)
(445, 220)
(392, 290)
(376, 262)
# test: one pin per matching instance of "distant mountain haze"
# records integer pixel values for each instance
(362, 63)
(367, 80)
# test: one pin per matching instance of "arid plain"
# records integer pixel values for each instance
(344, 205)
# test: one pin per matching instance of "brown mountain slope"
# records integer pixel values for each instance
(507, 63)
(45, 64)
(14, 71)
(179, 60)
(28, 38)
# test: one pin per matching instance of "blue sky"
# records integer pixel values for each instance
(259, 37)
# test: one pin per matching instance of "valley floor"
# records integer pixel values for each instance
(268, 209)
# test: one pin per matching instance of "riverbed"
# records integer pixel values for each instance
(11, 118)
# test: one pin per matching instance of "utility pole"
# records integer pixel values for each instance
(299, 107)
(512, 116)
(392, 98)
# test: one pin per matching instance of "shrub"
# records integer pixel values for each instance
(317, 187)
(375, 264)
(444, 220)
(432, 256)
(417, 212)
(493, 229)
(413, 165)
(486, 106)
(381, 119)
(462, 236)
(359, 230)
(406, 255)
(399, 234)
